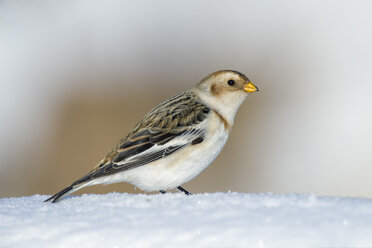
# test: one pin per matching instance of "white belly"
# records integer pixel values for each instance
(176, 169)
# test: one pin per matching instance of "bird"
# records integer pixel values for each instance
(176, 140)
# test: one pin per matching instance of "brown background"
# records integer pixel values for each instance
(76, 76)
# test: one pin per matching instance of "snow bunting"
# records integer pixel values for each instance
(176, 140)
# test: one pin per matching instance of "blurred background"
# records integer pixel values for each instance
(76, 76)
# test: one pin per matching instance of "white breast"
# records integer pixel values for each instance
(178, 168)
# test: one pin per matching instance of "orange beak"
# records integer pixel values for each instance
(250, 88)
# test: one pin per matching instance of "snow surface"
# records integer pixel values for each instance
(177, 220)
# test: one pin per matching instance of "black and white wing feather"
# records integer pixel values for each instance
(170, 127)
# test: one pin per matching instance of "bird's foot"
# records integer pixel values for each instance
(183, 190)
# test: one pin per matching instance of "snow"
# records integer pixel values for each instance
(176, 220)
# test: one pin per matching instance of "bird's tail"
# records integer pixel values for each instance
(86, 180)
(82, 182)
(62, 193)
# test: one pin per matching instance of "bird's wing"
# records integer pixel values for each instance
(166, 129)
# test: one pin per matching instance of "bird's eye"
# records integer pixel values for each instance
(231, 82)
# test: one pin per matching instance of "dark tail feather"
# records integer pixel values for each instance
(55, 198)
(79, 183)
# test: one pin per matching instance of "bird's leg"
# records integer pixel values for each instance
(162, 191)
(183, 190)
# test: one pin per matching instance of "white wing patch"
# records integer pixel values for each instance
(161, 151)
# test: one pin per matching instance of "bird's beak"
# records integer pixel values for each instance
(249, 87)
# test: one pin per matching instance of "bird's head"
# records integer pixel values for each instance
(226, 90)
(227, 81)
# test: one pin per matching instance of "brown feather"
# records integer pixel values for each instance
(175, 115)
